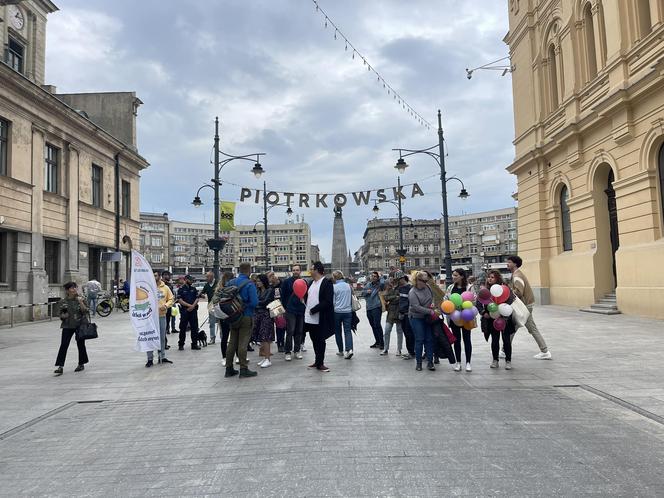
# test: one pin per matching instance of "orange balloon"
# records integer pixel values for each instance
(447, 307)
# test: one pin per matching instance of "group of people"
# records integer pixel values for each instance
(328, 307)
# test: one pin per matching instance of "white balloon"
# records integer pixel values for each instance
(494, 314)
(505, 309)
(496, 290)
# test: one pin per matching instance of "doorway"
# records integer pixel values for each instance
(613, 223)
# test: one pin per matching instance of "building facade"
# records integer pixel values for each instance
(155, 238)
(69, 187)
(189, 250)
(478, 242)
(589, 130)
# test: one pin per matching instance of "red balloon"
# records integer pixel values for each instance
(504, 296)
(299, 288)
(499, 324)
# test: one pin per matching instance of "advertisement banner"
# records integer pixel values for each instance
(226, 216)
(143, 304)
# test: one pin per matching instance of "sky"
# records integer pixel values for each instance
(282, 85)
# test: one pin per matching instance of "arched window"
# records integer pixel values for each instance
(553, 78)
(660, 168)
(644, 23)
(565, 220)
(589, 32)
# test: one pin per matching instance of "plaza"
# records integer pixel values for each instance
(588, 422)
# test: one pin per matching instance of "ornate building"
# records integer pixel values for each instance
(589, 128)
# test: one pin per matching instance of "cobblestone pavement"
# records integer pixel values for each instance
(589, 422)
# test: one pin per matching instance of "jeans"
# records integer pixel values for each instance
(339, 320)
(162, 339)
(318, 340)
(225, 332)
(495, 344)
(532, 328)
(213, 323)
(467, 345)
(294, 333)
(374, 316)
(92, 304)
(388, 332)
(65, 340)
(408, 333)
(188, 318)
(423, 337)
(238, 342)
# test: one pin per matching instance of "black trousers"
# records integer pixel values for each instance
(375, 316)
(65, 340)
(188, 318)
(170, 320)
(408, 333)
(507, 343)
(318, 340)
(225, 332)
(467, 345)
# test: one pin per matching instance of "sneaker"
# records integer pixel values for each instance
(288, 357)
(431, 366)
(245, 372)
(266, 363)
(303, 349)
(349, 354)
(501, 354)
(237, 361)
(406, 356)
(149, 364)
(298, 356)
(436, 360)
(58, 371)
(230, 372)
(468, 367)
(418, 367)
(79, 368)
(508, 365)
(166, 360)
(457, 367)
(494, 364)
(399, 353)
(374, 345)
(543, 356)
(323, 368)
(384, 353)
(260, 363)
(340, 353)
(212, 340)
(313, 365)
(223, 362)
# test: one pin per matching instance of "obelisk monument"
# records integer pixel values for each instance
(339, 247)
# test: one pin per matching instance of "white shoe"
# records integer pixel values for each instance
(298, 356)
(266, 363)
(288, 357)
(508, 365)
(237, 361)
(223, 362)
(457, 367)
(543, 356)
(349, 354)
(468, 367)
(501, 354)
(260, 363)
(303, 349)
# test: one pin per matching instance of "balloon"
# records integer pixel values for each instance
(456, 299)
(466, 305)
(499, 324)
(447, 307)
(455, 316)
(467, 315)
(475, 311)
(496, 290)
(299, 288)
(505, 309)
(459, 323)
(505, 294)
(468, 296)
(492, 307)
(484, 295)
(469, 325)
(494, 314)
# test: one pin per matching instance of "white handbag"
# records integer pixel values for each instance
(520, 313)
(276, 308)
(355, 304)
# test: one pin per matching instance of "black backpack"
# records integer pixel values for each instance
(228, 304)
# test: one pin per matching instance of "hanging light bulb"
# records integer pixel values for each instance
(346, 48)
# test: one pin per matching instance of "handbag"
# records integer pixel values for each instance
(276, 308)
(355, 304)
(280, 322)
(520, 313)
(450, 336)
(86, 330)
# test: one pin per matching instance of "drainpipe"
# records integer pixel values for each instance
(117, 221)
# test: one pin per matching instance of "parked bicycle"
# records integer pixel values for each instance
(106, 304)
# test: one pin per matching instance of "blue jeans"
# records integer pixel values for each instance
(92, 304)
(339, 320)
(213, 323)
(423, 337)
(162, 340)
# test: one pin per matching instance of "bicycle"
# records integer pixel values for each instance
(107, 303)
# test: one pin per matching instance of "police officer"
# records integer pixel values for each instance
(188, 300)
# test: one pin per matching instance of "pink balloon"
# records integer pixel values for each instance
(299, 288)
(484, 296)
(468, 296)
(499, 324)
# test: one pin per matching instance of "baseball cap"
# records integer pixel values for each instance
(188, 277)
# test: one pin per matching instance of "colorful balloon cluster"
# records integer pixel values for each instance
(494, 300)
(461, 309)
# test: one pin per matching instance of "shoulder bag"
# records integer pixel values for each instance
(355, 302)
(520, 313)
(86, 330)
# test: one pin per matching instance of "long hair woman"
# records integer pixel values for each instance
(263, 323)
(494, 277)
(459, 286)
(420, 298)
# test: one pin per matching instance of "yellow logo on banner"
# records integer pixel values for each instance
(226, 216)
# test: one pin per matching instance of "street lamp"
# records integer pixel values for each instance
(439, 157)
(266, 209)
(401, 251)
(217, 244)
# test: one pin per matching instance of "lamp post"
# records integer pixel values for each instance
(440, 159)
(217, 244)
(401, 252)
(266, 209)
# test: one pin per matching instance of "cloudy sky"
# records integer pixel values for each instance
(281, 84)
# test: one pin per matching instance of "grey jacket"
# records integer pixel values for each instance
(419, 301)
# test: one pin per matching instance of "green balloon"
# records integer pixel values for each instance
(456, 299)
(492, 307)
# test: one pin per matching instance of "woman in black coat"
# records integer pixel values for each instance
(494, 277)
(319, 313)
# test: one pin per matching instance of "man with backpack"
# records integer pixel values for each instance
(241, 326)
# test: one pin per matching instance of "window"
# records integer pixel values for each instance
(126, 199)
(660, 167)
(52, 260)
(97, 175)
(15, 55)
(156, 241)
(7, 250)
(52, 168)
(4, 146)
(553, 78)
(643, 18)
(565, 220)
(157, 258)
(94, 263)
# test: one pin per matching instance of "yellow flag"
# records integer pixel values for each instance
(226, 216)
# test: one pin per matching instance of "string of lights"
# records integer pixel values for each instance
(355, 53)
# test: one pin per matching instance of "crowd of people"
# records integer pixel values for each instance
(270, 310)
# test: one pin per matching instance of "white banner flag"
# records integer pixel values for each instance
(143, 304)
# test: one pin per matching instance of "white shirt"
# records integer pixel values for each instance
(313, 300)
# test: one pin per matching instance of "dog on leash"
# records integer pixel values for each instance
(202, 339)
